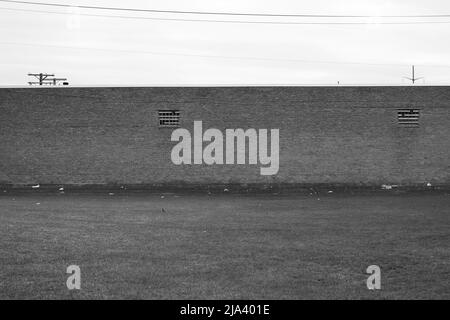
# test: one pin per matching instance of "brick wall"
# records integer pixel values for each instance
(336, 135)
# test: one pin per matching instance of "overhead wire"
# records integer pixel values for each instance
(220, 56)
(230, 21)
(369, 22)
(223, 13)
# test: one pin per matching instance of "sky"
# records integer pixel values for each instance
(105, 51)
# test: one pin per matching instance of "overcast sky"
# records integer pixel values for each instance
(93, 50)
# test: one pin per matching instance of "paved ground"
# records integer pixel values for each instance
(225, 246)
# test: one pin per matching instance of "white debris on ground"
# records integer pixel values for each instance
(162, 197)
(61, 189)
(111, 194)
(36, 186)
(330, 191)
(428, 184)
(225, 190)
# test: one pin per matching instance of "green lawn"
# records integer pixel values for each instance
(225, 246)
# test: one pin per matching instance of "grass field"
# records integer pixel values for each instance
(225, 246)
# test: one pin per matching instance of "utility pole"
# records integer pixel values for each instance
(413, 78)
(43, 79)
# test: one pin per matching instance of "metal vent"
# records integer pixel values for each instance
(408, 117)
(169, 118)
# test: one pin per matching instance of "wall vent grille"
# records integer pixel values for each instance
(169, 118)
(408, 117)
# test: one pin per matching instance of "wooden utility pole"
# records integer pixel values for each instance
(43, 79)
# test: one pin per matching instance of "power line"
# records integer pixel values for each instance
(230, 21)
(224, 13)
(220, 56)
(195, 55)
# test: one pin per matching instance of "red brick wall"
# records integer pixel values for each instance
(339, 135)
